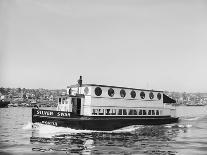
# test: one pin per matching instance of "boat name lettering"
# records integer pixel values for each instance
(51, 113)
(63, 114)
(49, 123)
(46, 113)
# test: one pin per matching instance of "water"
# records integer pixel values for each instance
(189, 136)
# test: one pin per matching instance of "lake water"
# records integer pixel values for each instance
(188, 137)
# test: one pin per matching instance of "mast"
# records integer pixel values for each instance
(80, 83)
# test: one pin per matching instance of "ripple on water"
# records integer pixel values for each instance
(143, 139)
(189, 136)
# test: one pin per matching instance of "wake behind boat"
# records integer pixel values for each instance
(102, 107)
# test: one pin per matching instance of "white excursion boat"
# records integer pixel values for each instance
(102, 107)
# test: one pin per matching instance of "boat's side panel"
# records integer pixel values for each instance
(100, 123)
(107, 102)
(87, 106)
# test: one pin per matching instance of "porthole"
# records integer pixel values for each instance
(122, 93)
(133, 94)
(98, 91)
(151, 95)
(159, 96)
(111, 92)
(86, 90)
(142, 95)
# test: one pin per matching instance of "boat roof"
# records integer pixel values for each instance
(97, 85)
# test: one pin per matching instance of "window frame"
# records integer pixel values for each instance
(122, 93)
(159, 96)
(142, 96)
(133, 94)
(151, 95)
(112, 93)
(98, 91)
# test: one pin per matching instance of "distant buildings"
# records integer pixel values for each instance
(45, 97)
(30, 97)
(189, 98)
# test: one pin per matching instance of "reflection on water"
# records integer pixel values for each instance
(142, 140)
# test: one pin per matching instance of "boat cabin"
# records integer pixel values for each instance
(103, 100)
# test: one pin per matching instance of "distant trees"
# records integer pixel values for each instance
(23, 90)
(24, 96)
(37, 94)
(5, 91)
(2, 91)
(19, 90)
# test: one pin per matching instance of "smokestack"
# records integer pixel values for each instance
(80, 81)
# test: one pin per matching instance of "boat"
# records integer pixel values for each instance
(195, 104)
(106, 108)
(4, 104)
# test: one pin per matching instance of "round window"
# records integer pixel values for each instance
(122, 93)
(133, 94)
(111, 92)
(142, 95)
(86, 90)
(159, 96)
(98, 91)
(151, 95)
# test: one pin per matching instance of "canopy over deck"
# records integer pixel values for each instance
(167, 99)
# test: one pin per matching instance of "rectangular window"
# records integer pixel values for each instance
(131, 112)
(100, 111)
(95, 112)
(107, 111)
(120, 112)
(124, 112)
(140, 112)
(149, 112)
(113, 112)
(144, 112)
(157, 112)
(153, 112)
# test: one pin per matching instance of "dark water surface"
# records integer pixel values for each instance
(188, 137)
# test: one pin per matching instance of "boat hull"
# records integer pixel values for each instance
(4, 104)
(106, 123)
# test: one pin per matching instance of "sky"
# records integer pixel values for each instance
(147, 44)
